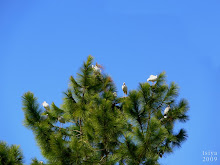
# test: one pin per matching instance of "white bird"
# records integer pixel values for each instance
(44, 117)
(96, 68)
(166, 111)
(45, 104)
(41, 162)
(152, 78)
(125, 89)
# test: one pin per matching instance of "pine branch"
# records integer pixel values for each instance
(31, 110)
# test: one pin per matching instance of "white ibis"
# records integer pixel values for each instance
(61, 120)
(44, 117)
(115, 94)
(152, 78)
(96, 68)
(166, 111)
(45, 105)
(125, 89)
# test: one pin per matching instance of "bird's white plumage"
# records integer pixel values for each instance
(115, 94)
(152, 78)
(125, 88)
(45, 104)
(96, 68)
(166, 111)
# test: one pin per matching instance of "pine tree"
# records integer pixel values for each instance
(10, 155)
(94, 126)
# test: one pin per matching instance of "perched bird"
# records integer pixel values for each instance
(96, 68)
(166, 111)
(152, 78)
(125, 89)
(44, 117)
(45, 105)
(115, 94)
(41, 162)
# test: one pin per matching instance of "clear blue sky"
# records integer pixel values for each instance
(43, 42)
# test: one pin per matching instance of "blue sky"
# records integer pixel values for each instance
(42, 43)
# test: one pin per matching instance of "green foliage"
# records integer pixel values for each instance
(103, 129)
(36, 162)
(10, 155)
